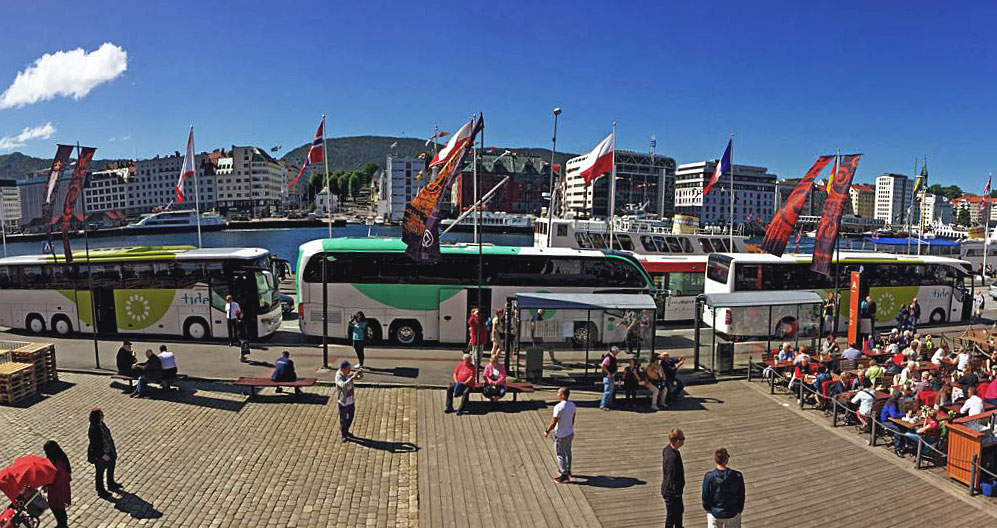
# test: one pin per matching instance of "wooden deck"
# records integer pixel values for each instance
(493, 467)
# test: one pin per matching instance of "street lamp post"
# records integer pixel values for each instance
(550, 201)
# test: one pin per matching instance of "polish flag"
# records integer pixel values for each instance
(599, 161)
(316, 152)
(188, 165)
(454, 146)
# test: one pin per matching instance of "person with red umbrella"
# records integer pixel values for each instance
(20, 482)
(102, 454)
(59, 491)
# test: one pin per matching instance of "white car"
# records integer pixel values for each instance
(993, 291)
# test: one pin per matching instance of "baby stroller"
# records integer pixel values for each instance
(25, 510)
(21, 482)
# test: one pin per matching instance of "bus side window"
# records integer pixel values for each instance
(5, 280)
(106, 275)
(60, 277)
(189, 275)
(33, 277)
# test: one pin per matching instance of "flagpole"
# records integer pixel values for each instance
(474, 187)
(328, 189)
(612, 193)
(986, 228)
(731, 189)
(550, 201)
(3, 220)
(661, 184)
(197, 194)
(86, 246)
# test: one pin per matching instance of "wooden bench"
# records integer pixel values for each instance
(511, 387)
(166, 384)
(618, 384)
(255, 383)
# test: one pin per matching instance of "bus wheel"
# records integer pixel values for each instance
(937, 316)
(373, 332)
(61, 325)
(35, 324)
(195, 328)
(406, 332)
(585, 332)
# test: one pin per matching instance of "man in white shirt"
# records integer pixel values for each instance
(973, 405)
(232, 311)
(563, 425)
(962, 360)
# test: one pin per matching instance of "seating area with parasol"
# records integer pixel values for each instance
(22, 483)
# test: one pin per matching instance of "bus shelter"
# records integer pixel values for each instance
(568, 326)
(743, 325)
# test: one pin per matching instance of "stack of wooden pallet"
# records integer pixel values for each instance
(42, 357)
(17, 381)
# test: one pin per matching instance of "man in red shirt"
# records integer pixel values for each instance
(463, 382)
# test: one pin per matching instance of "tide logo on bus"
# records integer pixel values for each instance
(200, 298)
(138, 309)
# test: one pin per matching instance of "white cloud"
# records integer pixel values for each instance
(29, 133)
(70, 73)
(119, 138)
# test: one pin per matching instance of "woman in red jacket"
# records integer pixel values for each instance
(59, 491)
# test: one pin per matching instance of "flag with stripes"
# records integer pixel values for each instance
(316, 152)
(187, 170)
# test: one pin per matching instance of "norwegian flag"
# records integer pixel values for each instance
(188, 165)
(316, 152)
(986, 188)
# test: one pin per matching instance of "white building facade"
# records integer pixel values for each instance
(754, 194)
(107, 190)
(400, 183)
(641, 182)
(893, 193)
(937, 209)
(153, 186)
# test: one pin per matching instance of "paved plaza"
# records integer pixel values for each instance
(208, 457)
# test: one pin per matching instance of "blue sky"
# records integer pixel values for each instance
(790, 79)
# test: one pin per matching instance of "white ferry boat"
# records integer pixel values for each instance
(176, 221)
(493, 222)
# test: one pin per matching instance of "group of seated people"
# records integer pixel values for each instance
(660, 377)
(917, 373)
(161, 367)
(493, 382)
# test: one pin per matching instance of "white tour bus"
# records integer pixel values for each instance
(166, 290)
(892, 281)
(408, 302)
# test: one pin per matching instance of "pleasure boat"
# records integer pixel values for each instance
(176, 221)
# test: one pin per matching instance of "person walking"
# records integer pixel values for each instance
(608, 367)
(723, 493)
(59, 492)
(563, 425)
(358, 331)
(102, 454)
(673, 478)
(496, 323)
(476, 331)
(232, 313)
(979, 303)
(345, 377)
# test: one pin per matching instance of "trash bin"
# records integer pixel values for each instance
(725, 357)
(534, 362)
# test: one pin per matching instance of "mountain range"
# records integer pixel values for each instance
(345, 153)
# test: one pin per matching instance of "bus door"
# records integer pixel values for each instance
(244, 292)
(107, 321)
(453, 321)
(962, 304)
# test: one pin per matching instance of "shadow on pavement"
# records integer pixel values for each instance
(605, 481)
(383, 445)
(49, 389)
(398, 372)
(289, 397)
(136, 507)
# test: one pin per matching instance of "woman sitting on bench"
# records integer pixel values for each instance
(494, 378)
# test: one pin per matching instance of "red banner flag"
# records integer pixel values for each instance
(58, 165)
(777, 233)
(834, 207)
(315, 154)
(421, 223)
(72, 194)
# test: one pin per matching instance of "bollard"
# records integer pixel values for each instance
(802, 397)
(772, 383)
(749, 369)
(834, 411)
(972, 477)
(917, 460)
(872, 431)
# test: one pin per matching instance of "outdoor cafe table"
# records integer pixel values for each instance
(847, 396)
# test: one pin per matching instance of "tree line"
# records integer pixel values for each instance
(342, 183)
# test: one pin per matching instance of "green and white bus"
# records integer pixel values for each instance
(166, 290)
(408, 302)
(893, 281)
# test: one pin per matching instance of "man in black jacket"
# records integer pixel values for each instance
(102, 453)
(673, 478)
(723, 494)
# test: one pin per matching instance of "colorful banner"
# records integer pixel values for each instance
(778, 232)
(72, 194)
(421, 224)
(834, 207)
(58, 165)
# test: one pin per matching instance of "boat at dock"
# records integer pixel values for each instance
(176, 222)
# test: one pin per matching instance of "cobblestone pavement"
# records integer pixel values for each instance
(207, 457)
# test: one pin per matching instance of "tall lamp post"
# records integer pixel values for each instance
(550, 201)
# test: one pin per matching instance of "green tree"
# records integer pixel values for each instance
(962, 217)
(355, 183)
(949, 191)
(369, 169)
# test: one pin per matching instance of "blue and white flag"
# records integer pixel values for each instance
(723, 166)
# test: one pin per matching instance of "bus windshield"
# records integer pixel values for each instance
(718, 268)
(266, 289)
